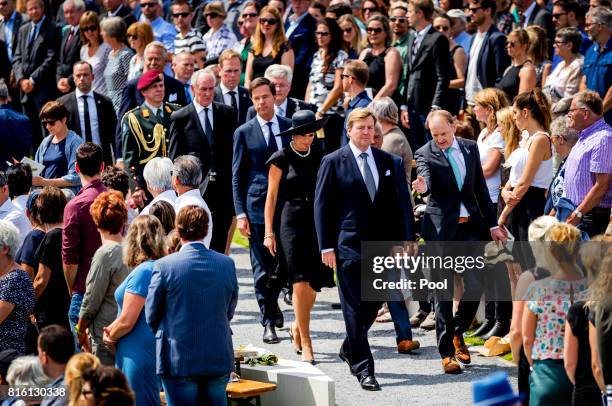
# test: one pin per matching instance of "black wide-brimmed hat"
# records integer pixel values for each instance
(304, 122)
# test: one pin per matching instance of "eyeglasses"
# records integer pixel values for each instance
(560, 42)
(48, 122)
(212, 15)
(268, 21)
(132, 36)
(3, 3)
(400, 20)
(557, 15)
(145, 5)
(344, 76)
(474, 9)
(89, 28)
(177, 15)
(510, 44)
(370, 9)
(347, 30)
(321, 34)
(441, 28)
(571, 111)
(250, 15)
(374, 30)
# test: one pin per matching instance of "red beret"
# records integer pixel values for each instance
(148, 78)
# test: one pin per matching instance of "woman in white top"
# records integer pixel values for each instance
(490, 141)
(531, 164)
(564, 81)
(94, 50)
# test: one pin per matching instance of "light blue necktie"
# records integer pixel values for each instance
(455, 167)
(369, 177)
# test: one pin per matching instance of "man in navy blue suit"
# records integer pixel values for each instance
(254, 142)
(361, 195)
(191, 300)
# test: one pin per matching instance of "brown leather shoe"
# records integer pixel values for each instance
(461, 351)
(405, 346)
(451, 366)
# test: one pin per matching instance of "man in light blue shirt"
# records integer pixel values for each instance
(163, 31)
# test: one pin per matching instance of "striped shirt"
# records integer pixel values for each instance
(590, 155)
(219, 41)
(192, 42)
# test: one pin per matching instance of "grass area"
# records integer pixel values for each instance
(239, 239)
(480, 341)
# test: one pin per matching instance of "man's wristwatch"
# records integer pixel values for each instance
(578, 214)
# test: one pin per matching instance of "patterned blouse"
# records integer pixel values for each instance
(16, 288)
(218, 41)
(98, 61)
(321, 84)
(116, 74)
(550, 299)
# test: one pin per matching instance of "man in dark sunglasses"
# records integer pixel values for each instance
(187, 39)
(163, 31)
(401, 35)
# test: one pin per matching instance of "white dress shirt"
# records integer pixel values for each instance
(166, 196)
(527, 14)
(419, 39)
(193, 198)
(266, 130)
(200, 110)
(356, 152)
(227, 98)
(10, 213)
(93, 115)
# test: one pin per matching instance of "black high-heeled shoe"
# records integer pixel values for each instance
(297, 350)
(310, 361)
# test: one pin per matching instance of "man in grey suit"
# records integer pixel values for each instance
(191, 300)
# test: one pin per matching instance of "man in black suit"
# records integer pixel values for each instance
(34, 63)
(117, 8)
(155, 56)
(70, 49)
(204, 129)
(429, 65)
(11, 20)
(91, 114)
(228, 92)
(458, 209)
(254, 142)
(487, 57)
(361, 195)
(285, 106)
(299, 29)
(530, 13)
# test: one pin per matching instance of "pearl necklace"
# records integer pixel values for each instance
(298, 153)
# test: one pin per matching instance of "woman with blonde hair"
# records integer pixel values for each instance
(129, 333)
(139, 35)
(352, 42)
(521, 75)
(73, 377)
(548, 303)
(270, 45)
(94, 50)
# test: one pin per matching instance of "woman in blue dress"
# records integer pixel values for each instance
(129, 333)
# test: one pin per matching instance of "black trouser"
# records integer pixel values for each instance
(221, 206)
(595, 221)
(358, 318)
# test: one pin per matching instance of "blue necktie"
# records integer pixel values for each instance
(33, 36)
(454, 167)
(187, 93)
(369, 177)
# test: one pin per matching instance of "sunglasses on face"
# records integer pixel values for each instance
(374, 30)
(268, 21)
(212, 15)
(90, 28)
(441, 28)
(370, 9)
(3, 3)
(177, 15)
(145, 5)
(510, 44)
(557, 43)
(321, 34)
(400, 20)
(557, 15)
(474, 9)
(132, 36)
(250, 15)
(48, 122)
(347, 30)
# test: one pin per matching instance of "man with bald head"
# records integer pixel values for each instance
(203, 129)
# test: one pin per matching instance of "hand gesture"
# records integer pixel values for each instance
(419, 184)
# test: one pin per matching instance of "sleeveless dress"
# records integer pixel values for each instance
(261, 62)
(299, 249)
(454, 95)
(510, 82)
(376, 66)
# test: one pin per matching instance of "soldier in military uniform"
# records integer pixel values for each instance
(145, 130)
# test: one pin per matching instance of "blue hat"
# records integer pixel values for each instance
(32, 199)
(494, 390)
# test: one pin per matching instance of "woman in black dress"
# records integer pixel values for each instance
(289, 210)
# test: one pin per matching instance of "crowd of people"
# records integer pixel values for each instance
(138, 136)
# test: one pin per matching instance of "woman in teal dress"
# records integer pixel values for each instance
(129, 334)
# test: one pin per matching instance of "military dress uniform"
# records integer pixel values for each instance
(146, 135)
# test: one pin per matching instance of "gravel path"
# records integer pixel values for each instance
(415, 379)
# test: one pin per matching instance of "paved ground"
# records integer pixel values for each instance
(405, 379)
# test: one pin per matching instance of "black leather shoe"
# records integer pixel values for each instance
(269, 336)
(484, 328)
(369, 383)
(500, 329)
(288, 298)
(280, 320)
